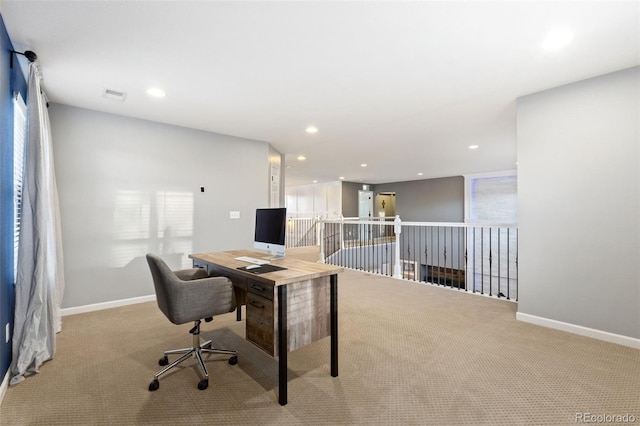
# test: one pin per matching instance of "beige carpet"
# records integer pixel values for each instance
(410, 354)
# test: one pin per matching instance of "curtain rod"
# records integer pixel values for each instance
(29, 54)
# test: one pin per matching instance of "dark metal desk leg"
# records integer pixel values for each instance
(282, 344)
(334, 324)
(239, 313)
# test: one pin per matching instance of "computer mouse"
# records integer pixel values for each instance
(252, 267)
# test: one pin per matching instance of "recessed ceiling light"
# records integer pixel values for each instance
(311, 130)
(301, 157)
(363, 165)
(420, 174)
(557, 39)
(474, 146)
(341, 178)
(156, 93)
(315, 181)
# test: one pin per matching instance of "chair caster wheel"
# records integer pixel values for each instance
(163, 361)
(203, 384)
(154, 385)
(233, 360)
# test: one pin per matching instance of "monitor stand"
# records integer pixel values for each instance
(275, 256)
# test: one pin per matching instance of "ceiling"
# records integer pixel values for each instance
(405, 87)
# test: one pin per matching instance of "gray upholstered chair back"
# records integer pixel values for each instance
(189, 294)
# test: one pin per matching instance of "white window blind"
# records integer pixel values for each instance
(19, 142)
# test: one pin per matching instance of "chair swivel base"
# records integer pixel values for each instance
(196, 351)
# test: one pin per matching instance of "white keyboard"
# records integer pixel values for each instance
(252, 260)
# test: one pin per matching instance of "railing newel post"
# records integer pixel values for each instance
(397, 227)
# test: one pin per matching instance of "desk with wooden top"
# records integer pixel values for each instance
(303, 297)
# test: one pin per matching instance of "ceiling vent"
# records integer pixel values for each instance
(114, 95)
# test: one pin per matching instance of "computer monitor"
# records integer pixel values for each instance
(271, 225)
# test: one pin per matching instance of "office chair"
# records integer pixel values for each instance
(190, 295)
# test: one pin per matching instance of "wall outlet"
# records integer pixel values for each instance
(6, 333)
(234, 214)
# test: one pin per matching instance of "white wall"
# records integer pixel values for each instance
(128, 187)
(579, 204)
(275, 180)
(324, 199)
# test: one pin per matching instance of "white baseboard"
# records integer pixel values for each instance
(4, 386)
(580, 330)
(106, 305)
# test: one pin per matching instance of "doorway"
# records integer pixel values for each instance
(385, 207)
(385, 204)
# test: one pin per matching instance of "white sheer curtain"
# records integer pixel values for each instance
(40, 278)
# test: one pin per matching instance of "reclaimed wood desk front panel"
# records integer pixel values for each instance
(285, 309)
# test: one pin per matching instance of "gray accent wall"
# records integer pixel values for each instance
(428, 200)
(579, 203)
(350, 198)
(128, 187)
